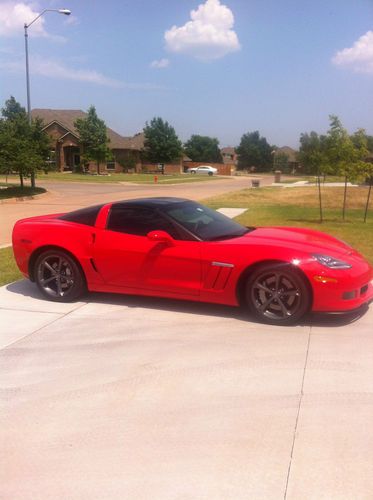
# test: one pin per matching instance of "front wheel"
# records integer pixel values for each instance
(58, 276)
(277, 294)
(210, 173)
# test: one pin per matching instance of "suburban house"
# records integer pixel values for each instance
(66, 147)
(285, 158)
(229, 155)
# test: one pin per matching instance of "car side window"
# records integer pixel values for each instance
(138, 221)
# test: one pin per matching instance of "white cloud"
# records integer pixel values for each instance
(13, 15)
(359, 57)
(208, 35)
(159, 64)
(56, 69)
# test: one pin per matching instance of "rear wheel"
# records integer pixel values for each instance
(277, 294)
(58, 276)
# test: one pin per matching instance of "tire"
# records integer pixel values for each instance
(193, 172)
(58, 276)
(210, 173)
(277, 294)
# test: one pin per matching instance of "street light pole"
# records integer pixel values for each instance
(27, 76)
(66, 12)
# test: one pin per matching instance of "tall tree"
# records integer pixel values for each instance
(203, 148)
(161, 144)
(312, 153)
(13, 110)
(254, 151)
(313, 159)
(24, 148)
(93, 138)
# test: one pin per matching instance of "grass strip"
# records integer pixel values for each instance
(12, 191)
(8, 268)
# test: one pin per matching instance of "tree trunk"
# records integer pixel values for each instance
(98, 168)
(21, 179)
(33, 180)
(344, 199)
(320, 200)
(368, 198)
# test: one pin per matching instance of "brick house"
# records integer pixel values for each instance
(66, 148)
(285, 158)
(229, 155)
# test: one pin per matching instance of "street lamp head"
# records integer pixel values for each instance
(67, 12)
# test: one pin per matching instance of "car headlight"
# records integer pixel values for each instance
(331, 262)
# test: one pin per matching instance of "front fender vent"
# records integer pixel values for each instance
(218, 275)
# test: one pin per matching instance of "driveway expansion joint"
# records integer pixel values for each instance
(298, 413)
(28, 335)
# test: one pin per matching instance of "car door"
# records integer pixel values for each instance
(125, 257)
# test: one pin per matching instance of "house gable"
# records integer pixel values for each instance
(55, 130)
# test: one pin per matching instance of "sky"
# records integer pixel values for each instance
(219, 68)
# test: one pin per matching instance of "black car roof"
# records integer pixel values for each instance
(156, 202)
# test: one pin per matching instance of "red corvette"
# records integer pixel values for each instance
(171, 247)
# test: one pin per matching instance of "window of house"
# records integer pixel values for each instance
(110, 165)
(51, 162)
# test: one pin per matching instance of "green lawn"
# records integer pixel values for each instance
(114, 178)
(8, 269)
(14, 191)
(134, 178)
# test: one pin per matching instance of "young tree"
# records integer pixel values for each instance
(128, 161)
(254, 151)
(345, 156)
(203, 148)
(24, 148)
(369, 174)
(161, 144)
(93, 137)
(313, 159)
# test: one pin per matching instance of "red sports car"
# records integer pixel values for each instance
(171, 247)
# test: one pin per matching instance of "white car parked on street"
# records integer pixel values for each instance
(203, 169)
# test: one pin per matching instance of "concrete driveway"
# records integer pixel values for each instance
(137, 398)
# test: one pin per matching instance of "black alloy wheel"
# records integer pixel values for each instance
(277, 294)
(58, 276)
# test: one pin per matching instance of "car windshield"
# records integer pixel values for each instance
(206, 224)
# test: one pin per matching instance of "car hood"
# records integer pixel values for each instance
(307, 239)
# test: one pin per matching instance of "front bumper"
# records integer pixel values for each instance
(342, 295)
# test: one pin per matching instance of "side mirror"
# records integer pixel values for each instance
(160, 237)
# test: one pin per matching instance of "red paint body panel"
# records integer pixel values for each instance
(195, 270)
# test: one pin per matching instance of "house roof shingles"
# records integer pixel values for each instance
(67, 118)
(290, 153)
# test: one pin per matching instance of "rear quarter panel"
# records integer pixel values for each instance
(31, 236)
